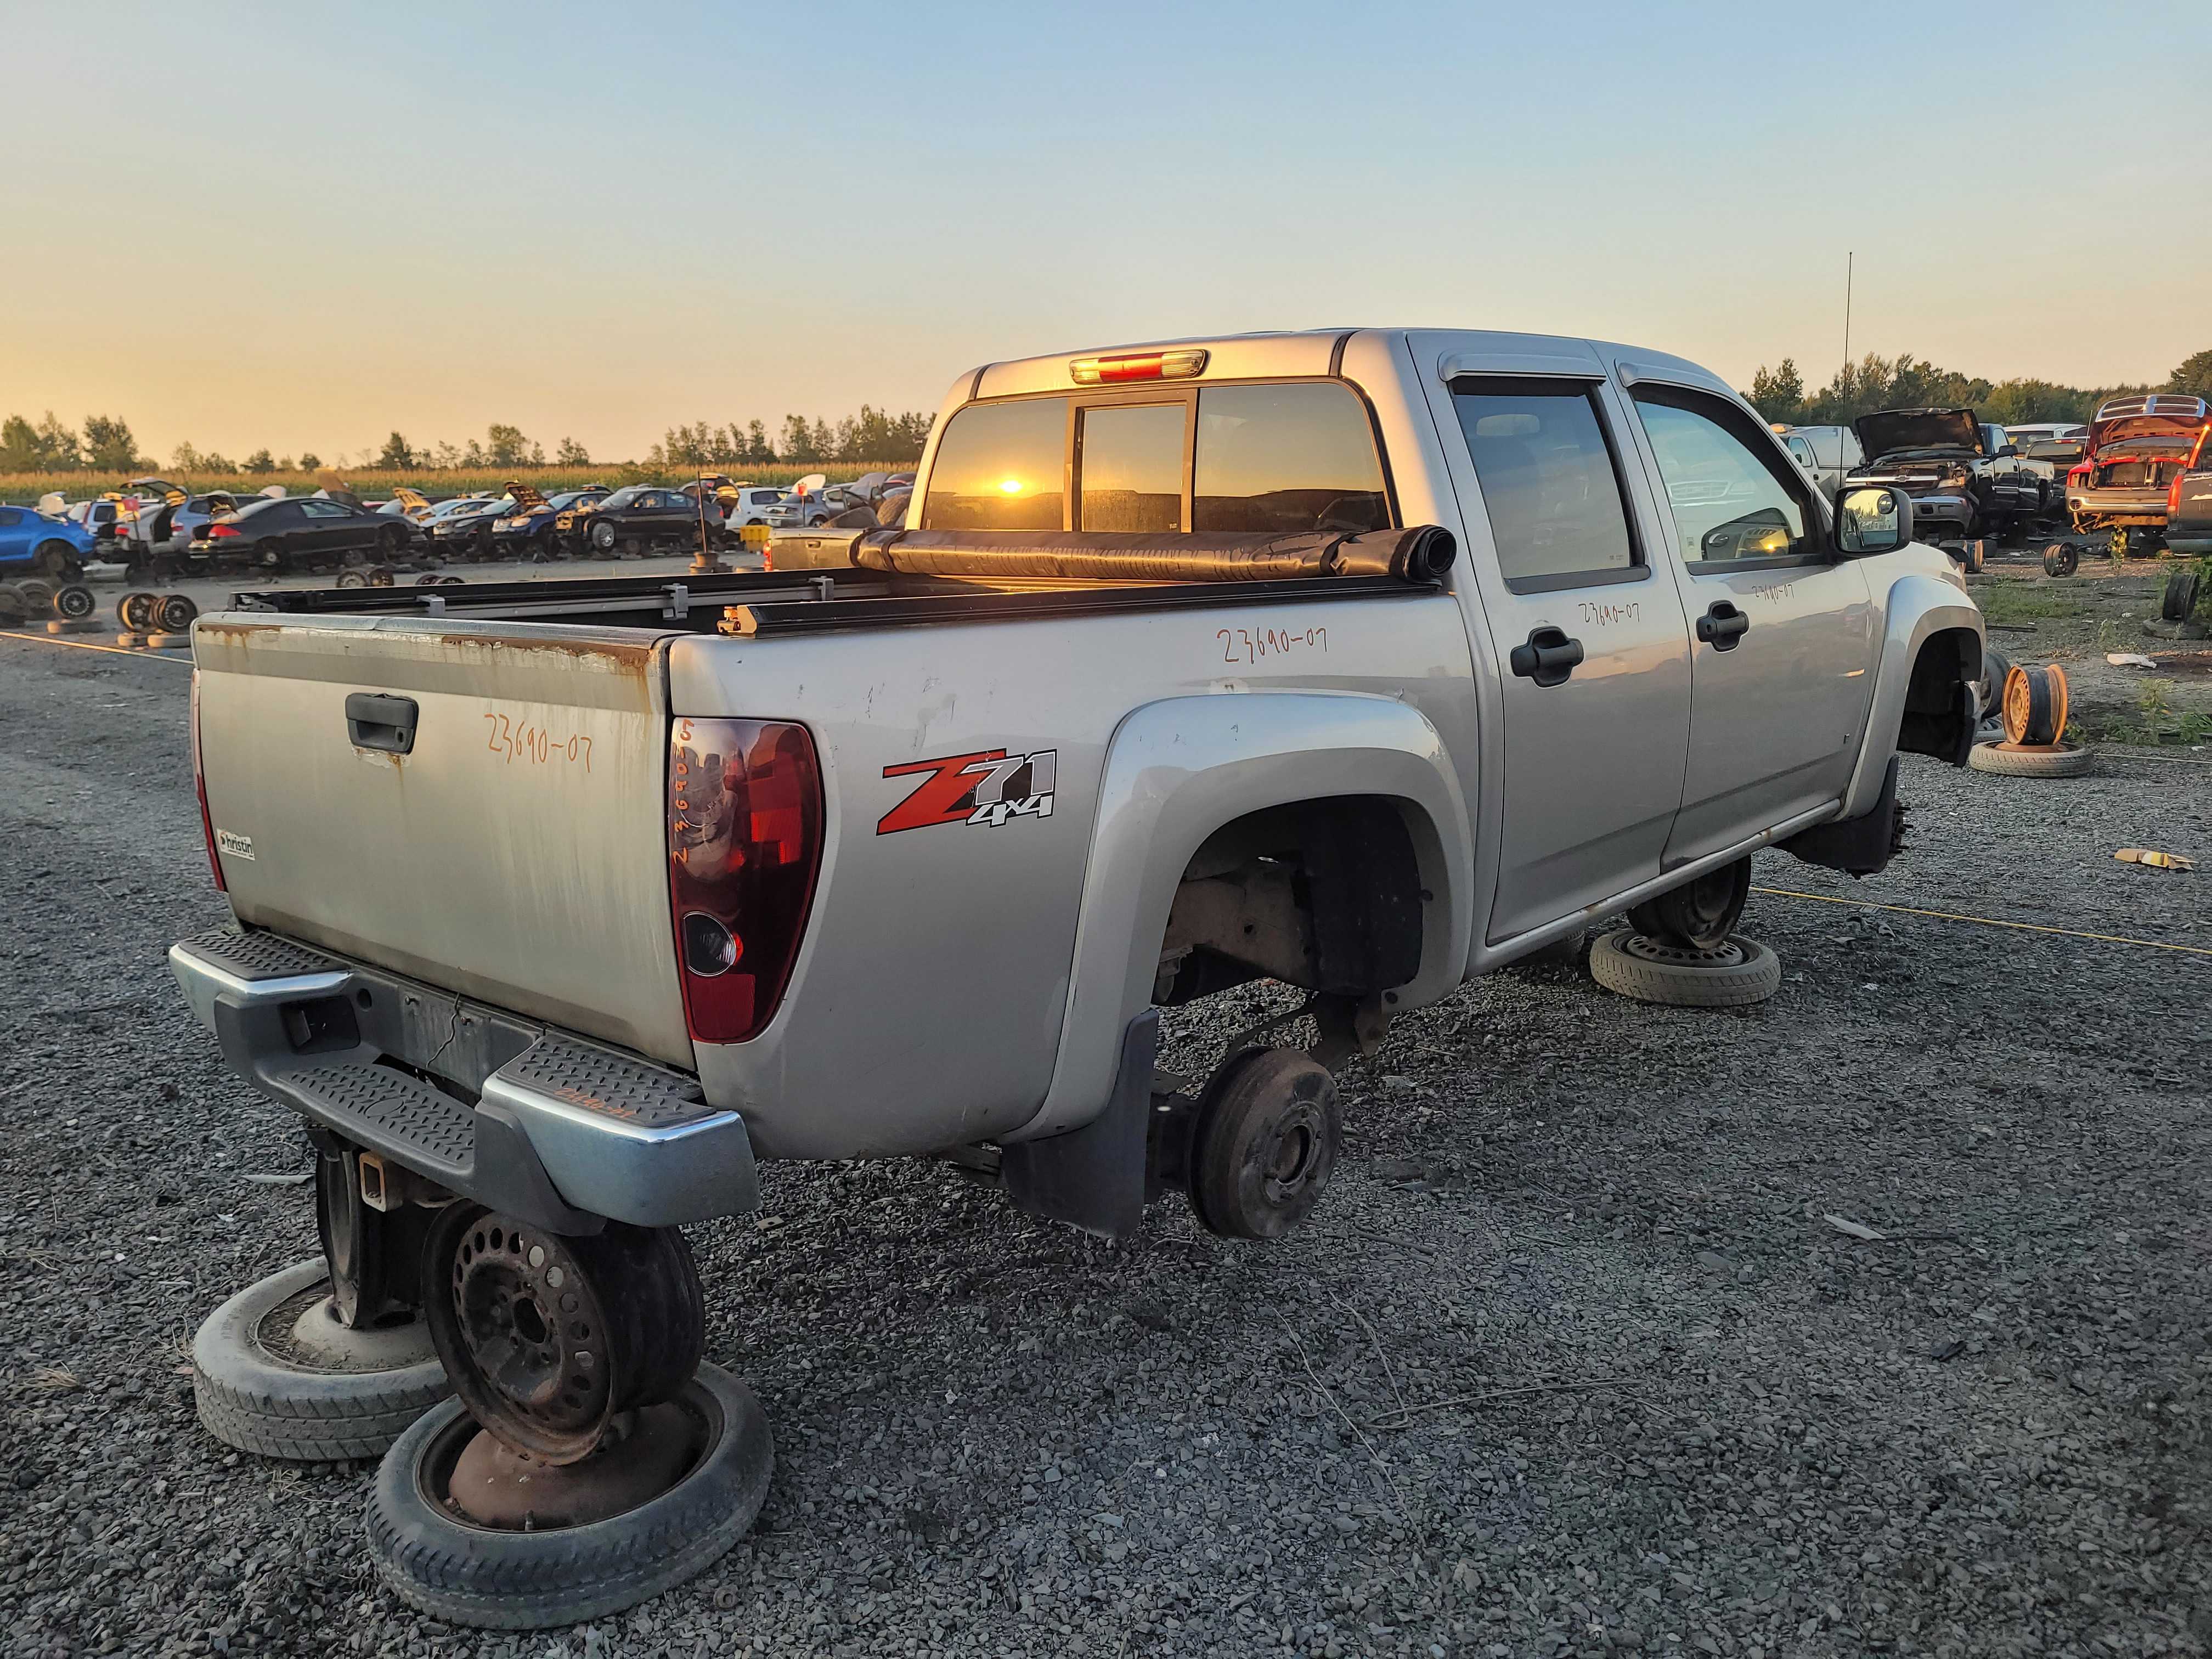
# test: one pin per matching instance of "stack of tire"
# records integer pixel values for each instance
(156, 622)
(2033, 705)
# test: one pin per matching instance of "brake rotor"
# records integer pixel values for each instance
(644, 1453)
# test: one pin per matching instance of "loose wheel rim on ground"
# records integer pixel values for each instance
(274, 1372)
(438, 1558)
(2035, 705)
(1734, 974)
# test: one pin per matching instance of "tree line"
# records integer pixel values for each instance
(873, 435)
(105, 445)
(1904, 381)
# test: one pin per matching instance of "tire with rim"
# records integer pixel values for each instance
(1738, 973)
(174, 613)
(2059, 761)
(443, 1564)
(1700, 914)
(602, 536)
(353, 579)
(2061, 559)
(75, 602)
(392, 542)
(1268, 1139)
(274, 1372)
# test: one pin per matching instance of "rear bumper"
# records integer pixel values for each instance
(531, 1121)
(2118, 507)
(2194, 539)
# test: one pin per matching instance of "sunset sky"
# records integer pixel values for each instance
(307, 225)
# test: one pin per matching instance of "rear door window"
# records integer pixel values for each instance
(1001, 466)
(1130, 461)
(1285, 458)
(1549, 482)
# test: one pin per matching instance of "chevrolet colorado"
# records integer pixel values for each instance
(1367, 661)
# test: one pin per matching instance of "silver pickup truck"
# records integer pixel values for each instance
(1366, 661)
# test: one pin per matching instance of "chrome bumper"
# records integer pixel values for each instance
(560, 1131)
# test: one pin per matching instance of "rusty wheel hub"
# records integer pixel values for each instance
(644, 1453)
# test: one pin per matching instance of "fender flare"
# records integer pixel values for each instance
(1918, 606)
(1178, 770)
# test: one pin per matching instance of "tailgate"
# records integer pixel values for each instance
(517, 853)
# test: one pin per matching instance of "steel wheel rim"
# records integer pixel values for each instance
(1727, 954)
(539, 1376)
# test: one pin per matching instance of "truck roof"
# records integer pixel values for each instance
(1292, 354)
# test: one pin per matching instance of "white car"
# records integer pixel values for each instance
(754, 504)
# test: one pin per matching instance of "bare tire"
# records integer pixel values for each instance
(456, 1569)
(273, 1372)
(1267, 1140)
(1737, 973)
(2180, 598)
(2061, 559)
(1995, 666)
(2057, 760)
(353, 579)
(38, 595)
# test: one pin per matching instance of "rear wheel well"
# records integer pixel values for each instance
(1937, 720)
(1324, 894)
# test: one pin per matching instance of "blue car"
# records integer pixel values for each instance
(527, 532)
(32, 544)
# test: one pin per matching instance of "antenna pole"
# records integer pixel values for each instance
(1850, 258)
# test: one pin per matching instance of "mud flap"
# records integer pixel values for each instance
(1859, 845)
(1094, 1177)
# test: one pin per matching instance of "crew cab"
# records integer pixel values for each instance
(1368, 660)
(2137, 448)
(1966, 480)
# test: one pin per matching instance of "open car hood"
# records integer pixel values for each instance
(2136, 419)
(1889, 430)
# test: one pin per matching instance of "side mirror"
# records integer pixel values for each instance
(2009, 449)
(1872, 520)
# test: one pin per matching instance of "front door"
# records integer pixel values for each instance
(1784, 633)
(1590, 634)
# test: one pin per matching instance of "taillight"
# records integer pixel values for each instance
(199, 786)
(222, 530)
(745, 843)
(1178, 365)
(2173, 496)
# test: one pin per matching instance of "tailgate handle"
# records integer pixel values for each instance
(376, 721)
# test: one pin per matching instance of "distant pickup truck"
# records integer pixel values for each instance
(1967, 481)
(2137, 446)
(1365, 661)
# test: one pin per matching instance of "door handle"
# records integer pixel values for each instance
(1548, 657)
(375, 721)
(1722, 627)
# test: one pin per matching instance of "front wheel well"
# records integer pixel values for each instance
(1324, 894)
(1938, 720)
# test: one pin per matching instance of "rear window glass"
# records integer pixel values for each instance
(1284, 458)
(999, 467)
(1131, 466)
(1548, 481)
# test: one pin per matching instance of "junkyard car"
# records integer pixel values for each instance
(35, 544)
(2136, 447)
(1367, 661)
(526, 529)
(1964, 483)
(2189, 502)
(299, 533)
(639, 520)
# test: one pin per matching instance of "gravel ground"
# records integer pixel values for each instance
(1570, 1360)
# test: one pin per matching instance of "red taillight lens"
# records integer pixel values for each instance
(2173, 496)
(222, 530)
(199, 788)
(745, 843)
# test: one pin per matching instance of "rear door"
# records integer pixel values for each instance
(516, 851)
(1597, 698)
(1784, 633)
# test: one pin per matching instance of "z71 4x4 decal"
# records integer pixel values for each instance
(987, 788)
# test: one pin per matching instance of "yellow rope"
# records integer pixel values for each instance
(112, 650)
(1985, 921)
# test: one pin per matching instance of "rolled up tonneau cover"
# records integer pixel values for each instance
(1419, 553)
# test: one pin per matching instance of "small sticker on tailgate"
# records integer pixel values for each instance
(232, 845)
